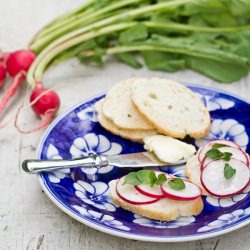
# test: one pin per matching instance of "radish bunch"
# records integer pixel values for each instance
(225, 169)
(44, 102)
(143, 193)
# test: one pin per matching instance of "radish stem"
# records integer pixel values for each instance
(67, 42)
(79, 21)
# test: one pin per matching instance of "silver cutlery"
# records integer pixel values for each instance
(135, 160)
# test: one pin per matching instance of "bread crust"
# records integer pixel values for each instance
(133, 135)
(118, 107)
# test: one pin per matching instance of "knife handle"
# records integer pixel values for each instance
(36, 166)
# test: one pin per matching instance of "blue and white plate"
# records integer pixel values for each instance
(84, 194)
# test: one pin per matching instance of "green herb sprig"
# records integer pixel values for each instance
(229, 172)
(144, 176)
(177, 184)
(215, 154)
(149, 177)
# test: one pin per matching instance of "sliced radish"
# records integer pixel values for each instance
(204, 148)
(129, 194)
(146, 189)
(155, 191)
(237, 153)
(215, 183)
(191, 191)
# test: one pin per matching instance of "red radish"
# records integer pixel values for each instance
(155, 191)
(2, 74)
(215, 183)
(204, 148)
(129, 194)
(17, 65)
(191, 191)
(237, 153)
(45, 104)
(18, 61)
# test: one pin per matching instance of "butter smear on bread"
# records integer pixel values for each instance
(168, 149)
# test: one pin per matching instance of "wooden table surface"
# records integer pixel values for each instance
(28, 219)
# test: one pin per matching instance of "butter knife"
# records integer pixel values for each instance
(135, 160)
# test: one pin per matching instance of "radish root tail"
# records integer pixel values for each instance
(47, 118)
(16, 83)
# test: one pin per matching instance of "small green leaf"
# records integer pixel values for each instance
(227, 156)
(138, 32)
(214, 154)
(219, 145)
(229, 172)
(145, 176)
(177, 184)
(163, 61)
(131, 179)
(161, 178)
(153, 178)
(129, 59)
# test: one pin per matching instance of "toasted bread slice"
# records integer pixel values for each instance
(193, 172)
(164, 209)
(119, 108)
(172, 108)
(133, 135)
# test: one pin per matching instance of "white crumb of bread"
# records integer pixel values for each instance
(171, 107)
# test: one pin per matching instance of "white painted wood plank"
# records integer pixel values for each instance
(28, 219)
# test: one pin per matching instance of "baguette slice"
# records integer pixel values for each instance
(172, 108)
(119, 108)
(193, 172)
(133, 135)
(164, 209)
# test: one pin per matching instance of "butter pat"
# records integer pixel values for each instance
(168, 149)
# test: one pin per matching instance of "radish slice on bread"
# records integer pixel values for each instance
(129, 194)
(203, 149)
(190, 192)
(155, 191)
(237, 153)
(215, 183)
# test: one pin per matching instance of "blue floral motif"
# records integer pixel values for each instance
(88, 114)
(176, 170)
(105, 219)
(225, 219)
(56, 176)
(95, 194)
(227, 202)
(213, 103)
(228, 129)
(180, 222)
(92, 143)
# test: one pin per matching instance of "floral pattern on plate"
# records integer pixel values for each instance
(227, 202)
(226, 219)
(107, 220)
(213, 103)
(94, 144)
(180, 222)
(57, 175)
(88, 114)
(95, 194)
(229, 129)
